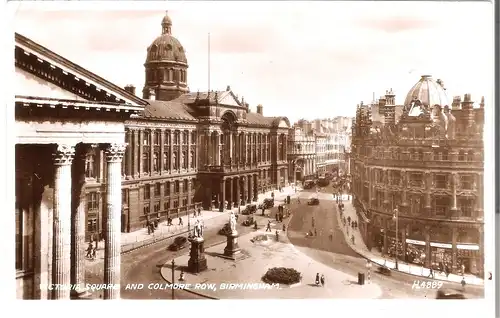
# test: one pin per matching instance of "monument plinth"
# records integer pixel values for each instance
(197, 261)
(232, 249)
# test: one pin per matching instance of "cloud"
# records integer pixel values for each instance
(398, 24)
(246, 39)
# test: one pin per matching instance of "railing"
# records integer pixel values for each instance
(172, 212)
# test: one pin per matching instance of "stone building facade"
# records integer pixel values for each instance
(184, 143)
(301, 154)
(421, 168)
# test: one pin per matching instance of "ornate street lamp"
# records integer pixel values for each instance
(395, 217)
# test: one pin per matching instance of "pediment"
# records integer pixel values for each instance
(43, 73)
(27, 84)
(229, 100)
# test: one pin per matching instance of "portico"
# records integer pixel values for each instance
(63, 111)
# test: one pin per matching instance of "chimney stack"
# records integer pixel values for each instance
(260, 110)
(228, 88)
(152, 94)
(467, 103)
(130, 88)
(457, 100)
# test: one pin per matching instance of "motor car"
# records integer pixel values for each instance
(449, 294)
(384, 270)
(225, 230)
(179, 243)
(251, 208)
(313, 201)
(249, 221)
(323, 182)
(309, 184)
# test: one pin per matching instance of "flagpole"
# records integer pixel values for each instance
(209, 62)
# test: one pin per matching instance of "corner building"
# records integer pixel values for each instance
(423, 165)
(188, 150)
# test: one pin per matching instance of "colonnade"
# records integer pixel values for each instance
(68, 246)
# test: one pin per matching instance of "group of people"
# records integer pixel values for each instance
(320, 280)
(91, 250)
(152, 225)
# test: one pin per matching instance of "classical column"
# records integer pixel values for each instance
(112, 235)
(171, 152)
(78, 221)
(62, 221)
(385, 179)
(479, 187)
(135, 145)
(255, 192)
(139, 160)
(222, 195)
(250, 189)
(188, 151)
(245, 189)
(162, 151)
(238, 196)
(454, 185)
(404, 186)
(230, 194)
(130, 136)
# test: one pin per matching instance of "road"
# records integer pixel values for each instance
(337, 254)
(142, 266)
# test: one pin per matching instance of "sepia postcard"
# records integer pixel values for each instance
(253, 150)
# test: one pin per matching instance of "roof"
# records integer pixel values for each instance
(428, 91)
(157, 109)
(43, 53)
(227, 98)
(257, 119)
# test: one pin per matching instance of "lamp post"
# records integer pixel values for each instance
(173, 279)
(396, 217)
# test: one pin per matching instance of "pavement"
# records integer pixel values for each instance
(257, 260)
(139, 238)
(360, 248)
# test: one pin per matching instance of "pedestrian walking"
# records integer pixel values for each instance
(268, 226)
(94, 252)
(277, 236)
(284, 228)
(199, 211)
(254, 225)
(431, 273)
(180, 221)
(315, 232)
(463, 283)
(463, 269)
(89, 250)
(322, 280)
(317, 279)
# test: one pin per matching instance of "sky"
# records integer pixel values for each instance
(300, 60)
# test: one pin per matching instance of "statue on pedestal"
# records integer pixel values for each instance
(232, 221)
(198, 229)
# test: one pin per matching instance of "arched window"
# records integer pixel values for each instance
(185, 185)
(145, 162)
(461, 156)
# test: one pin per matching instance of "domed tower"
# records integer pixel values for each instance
(428, 92)
(166, 66)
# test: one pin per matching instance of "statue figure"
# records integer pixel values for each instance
(232, 221)
(198, 231)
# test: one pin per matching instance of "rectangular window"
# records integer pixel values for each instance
(441, 181)
(157, 189)
(156, 162)
(466, 206)
(167, 189)
(124, 196)
(193, 138)
(145, 162)
(177, 188)
(147, 192)
(157, 207)
(395, 177)
(416, 179)
(192, 184)
(166, 161)
(441, 205)
(92, 225)
(156, 138)
(185, 185)
(466, 182)
(176, 204)
(166, 206)
(146, 138)
(145, 208)
(166, 140)
(184, 202)
(92, 201)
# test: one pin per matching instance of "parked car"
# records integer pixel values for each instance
(179, 243)
(249, 221)
(309, 184)
(267, 203)
(313, 201)
(251, 208)
(449, 294)
(225, 230)
(384, 270)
